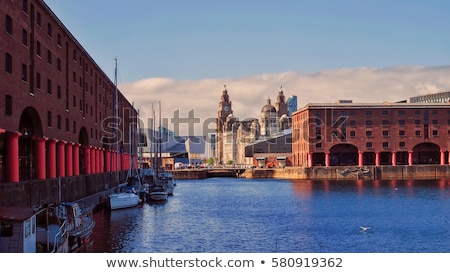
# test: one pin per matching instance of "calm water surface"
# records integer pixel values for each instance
(228, 215)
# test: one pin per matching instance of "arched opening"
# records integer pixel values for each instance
(344, 155)
(426, 153)
(30, 126)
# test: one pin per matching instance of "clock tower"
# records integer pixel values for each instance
(224, 110)
(224, 114)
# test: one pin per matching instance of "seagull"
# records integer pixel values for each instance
(364, 229)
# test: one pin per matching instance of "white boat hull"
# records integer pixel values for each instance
(158, 196)
(123, 200)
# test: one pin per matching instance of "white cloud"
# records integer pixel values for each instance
(249, 94)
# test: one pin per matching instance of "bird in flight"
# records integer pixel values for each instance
(364, 229)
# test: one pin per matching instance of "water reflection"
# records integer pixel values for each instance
(269, 215)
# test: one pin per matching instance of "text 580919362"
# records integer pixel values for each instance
(306, 262)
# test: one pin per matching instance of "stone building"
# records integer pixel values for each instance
(233, 137)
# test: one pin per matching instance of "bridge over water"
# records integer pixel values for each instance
(231, 171)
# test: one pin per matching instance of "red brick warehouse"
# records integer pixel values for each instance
(54, 100)
(358, 134)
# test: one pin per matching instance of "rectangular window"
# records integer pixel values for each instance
(8, 24)
(352, 133)
(49, 57)
(385, 144)
(25, 6)
(401, 133)
(38, 80)
(368, 123)
(417, 133)
(67, 125)
(38, 48)
(385, 122)
(385, 133)
(58, 120)
(74, 127)
(402, 144)
(58, 64)
(8, 105)
(368, 113)
(24, 73)
(435, 132)
(49, 119)
(385, 113)
(58, 39)
(24, 37)
(49, 86)
(401, 112)
(368, 144)
(434, 122)
(417, 122)
(58, 92)
(8, 63)
(39, 19)
(49, 30)
(401, 122)
(368, 133)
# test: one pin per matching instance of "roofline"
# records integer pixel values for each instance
(373, 105)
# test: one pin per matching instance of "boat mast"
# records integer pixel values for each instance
(116, 119)
(159, 138)
(153, 146)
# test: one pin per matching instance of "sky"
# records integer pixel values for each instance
(183, 53)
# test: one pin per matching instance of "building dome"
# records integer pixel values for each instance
(268, 108)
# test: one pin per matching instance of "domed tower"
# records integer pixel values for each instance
(281, 105)
(268, 119)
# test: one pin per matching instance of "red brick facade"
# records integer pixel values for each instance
(371, 134)
(51, 89)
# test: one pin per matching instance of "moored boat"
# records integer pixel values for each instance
(157, 193)
(32, 230)
(79, 224)
(126, 197)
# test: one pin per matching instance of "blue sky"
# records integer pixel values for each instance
(214, 39)
(168, 49)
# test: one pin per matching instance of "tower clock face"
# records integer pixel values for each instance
(226, 108)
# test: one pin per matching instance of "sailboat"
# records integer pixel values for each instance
(126, 195)
(162, 183)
